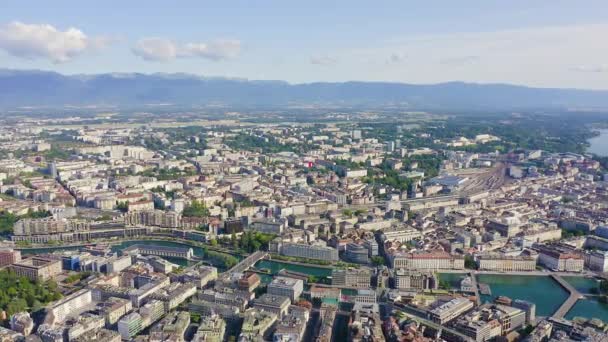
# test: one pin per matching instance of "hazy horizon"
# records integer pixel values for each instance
(548, 44)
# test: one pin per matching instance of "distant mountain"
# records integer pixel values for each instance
(19, 88)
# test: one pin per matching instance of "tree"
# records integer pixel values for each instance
(123, 206)
(443, 284)
(347, 213)
(378, 260)
(196, 209)
(21, 294)
(469, 262)
(360, 212)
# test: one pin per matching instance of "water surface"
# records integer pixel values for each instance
(599, 144)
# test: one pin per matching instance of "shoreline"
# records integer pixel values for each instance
(599, 134)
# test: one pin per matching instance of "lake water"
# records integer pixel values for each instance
(541, 290)
(599, 144)
(546, 293)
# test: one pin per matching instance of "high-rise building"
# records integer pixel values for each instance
(130, 325)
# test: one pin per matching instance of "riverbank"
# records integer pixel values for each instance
(46, 248)
(273, 257)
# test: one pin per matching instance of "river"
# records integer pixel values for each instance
(198, 251)
(599, 144)
(547, 294)
(274, 266)
(542, 290)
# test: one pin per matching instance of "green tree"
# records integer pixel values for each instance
(378, 260)
(123, 206)
(347, 213)
(196, 209)
(469, 262)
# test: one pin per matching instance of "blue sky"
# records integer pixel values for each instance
(549, 43)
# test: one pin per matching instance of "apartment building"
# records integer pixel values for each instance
(412, 279)
(9, 256)
(286, 287)
(351, 277)
(307, 251)
(427, 261)
(69, 305)
(503, 263)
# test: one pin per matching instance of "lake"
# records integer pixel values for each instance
(599, 144)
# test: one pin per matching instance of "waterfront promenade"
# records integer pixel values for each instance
(572, 298)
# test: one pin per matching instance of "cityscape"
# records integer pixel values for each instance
(169, 206)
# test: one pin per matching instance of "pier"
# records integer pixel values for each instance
(572, 299)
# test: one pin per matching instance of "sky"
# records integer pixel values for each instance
(540, 43)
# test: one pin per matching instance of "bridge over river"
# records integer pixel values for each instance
(572, 298)
(246, 263)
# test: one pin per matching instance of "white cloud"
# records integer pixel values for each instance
(590, 68)
(155, 49)
(215, 50)
(323, 60)
(45, 41)
(164, 50)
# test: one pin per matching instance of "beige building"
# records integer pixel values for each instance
(412, 279)
(502, 263)
(427, 261)
(114, 308)
(37, 268)
(69, 305)
(449, 311)
(351, 277)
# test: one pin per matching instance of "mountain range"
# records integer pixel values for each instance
(33, 88)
